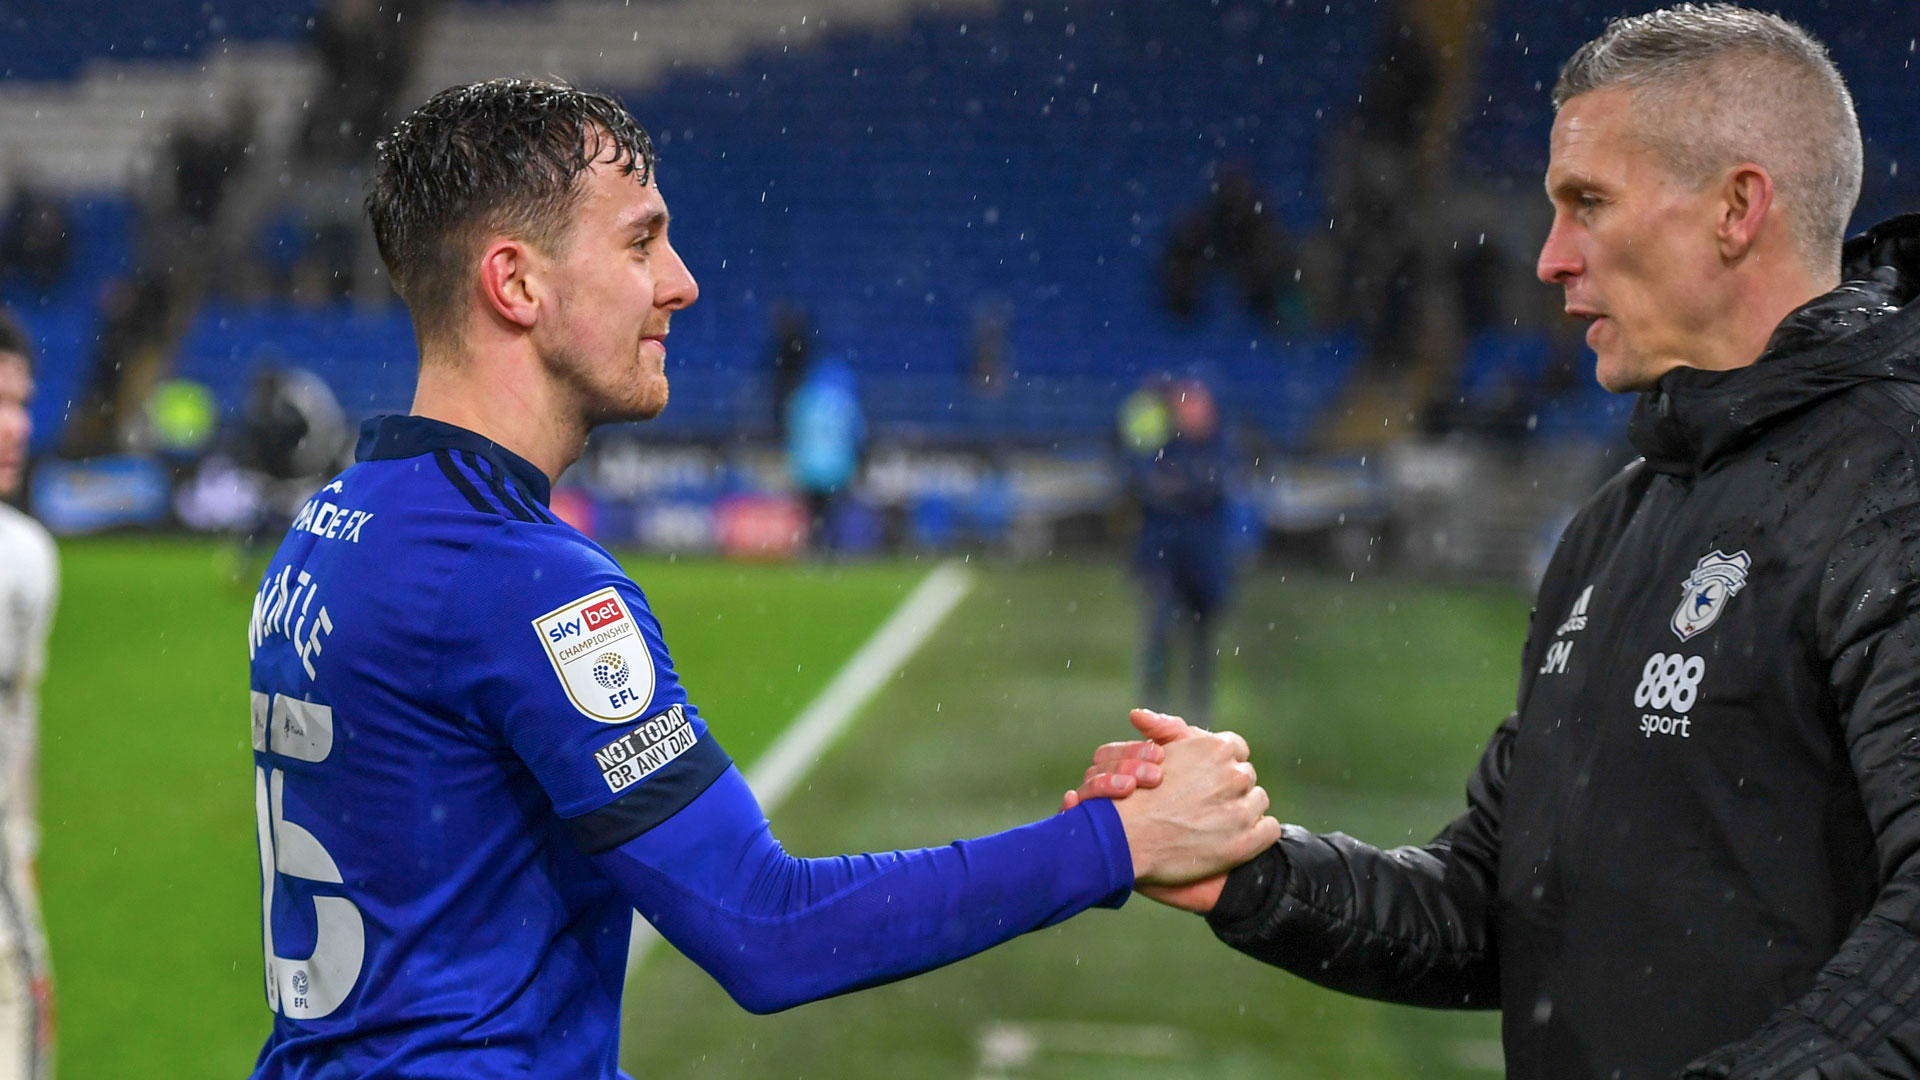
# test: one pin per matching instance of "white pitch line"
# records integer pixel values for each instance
(826, 717)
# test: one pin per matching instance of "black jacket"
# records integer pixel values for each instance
(1695, 846)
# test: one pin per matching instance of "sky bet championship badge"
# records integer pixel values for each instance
(1714, 581)
(599, 655)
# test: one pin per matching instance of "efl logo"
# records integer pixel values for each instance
(597, 651)
(603, 615)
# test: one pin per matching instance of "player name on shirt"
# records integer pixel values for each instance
(282, 606)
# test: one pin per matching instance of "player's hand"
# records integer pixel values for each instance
(1198, 897)
(1119, 768)
(1205, 817)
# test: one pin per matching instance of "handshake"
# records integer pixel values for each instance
(1190, 805)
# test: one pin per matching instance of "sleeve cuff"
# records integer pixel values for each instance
(1111, 837)
(1248, 888)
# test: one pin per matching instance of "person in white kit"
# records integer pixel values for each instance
(29, 576)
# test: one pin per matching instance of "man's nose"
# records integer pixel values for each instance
(1559, 257)
(676, 289)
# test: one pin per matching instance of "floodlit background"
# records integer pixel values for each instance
(1005, 224)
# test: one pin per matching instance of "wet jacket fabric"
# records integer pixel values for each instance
(1694, 848)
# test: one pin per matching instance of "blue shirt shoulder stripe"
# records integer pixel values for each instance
(503, 491)
(460, 482)
(389, 437)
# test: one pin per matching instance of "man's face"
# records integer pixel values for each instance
(613, 291)
(16, 389)
(1634, 247)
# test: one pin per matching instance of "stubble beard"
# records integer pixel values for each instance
(645, 395)
(632, 394)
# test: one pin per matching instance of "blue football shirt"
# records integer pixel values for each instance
(467, 734)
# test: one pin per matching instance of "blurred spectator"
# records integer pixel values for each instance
(367, 49)
(791, 347)
(987, 347)
(318, 244)
(1480, 274)
(181, 416)
(1145, 423)
(206, 155)
(1236, 234)
(181, 248)
(825, 430)
(136, 317)
(38, 241)
(292, 428)
(1377, 188)
(1503, 413)
(1181, 558)
(292, 435)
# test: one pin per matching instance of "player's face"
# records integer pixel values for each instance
(615, 288)
(16, 389)
(1633, 246)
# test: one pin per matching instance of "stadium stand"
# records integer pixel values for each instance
(889, 166)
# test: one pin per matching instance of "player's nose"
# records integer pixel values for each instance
(676, 288)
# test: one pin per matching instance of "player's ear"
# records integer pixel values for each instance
(506, 281)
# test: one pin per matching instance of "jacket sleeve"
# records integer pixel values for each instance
(1862, 1017)
(1411, 925)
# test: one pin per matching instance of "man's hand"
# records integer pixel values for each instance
(1204, 817)
(1120, 768)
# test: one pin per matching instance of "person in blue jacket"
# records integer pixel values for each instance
(825, 430)
(1179, 471)
(473, 755)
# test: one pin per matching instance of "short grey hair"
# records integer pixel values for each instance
(1717, 85)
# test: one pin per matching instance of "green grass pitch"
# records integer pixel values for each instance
(1365, 703)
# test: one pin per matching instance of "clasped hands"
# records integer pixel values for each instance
(1189, 802)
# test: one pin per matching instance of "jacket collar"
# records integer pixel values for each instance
(1867, 329)
(383, 438)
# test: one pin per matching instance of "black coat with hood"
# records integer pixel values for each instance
(1694, 848)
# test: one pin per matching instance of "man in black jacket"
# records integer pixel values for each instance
(1694, 849)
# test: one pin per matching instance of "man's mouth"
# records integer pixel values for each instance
(1593, 318)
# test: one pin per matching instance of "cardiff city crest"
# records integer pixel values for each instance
(1714, 581)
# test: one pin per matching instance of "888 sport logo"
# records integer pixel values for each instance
(1668, 681)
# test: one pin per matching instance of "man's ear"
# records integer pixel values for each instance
(1746, 197)
(506, 268)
